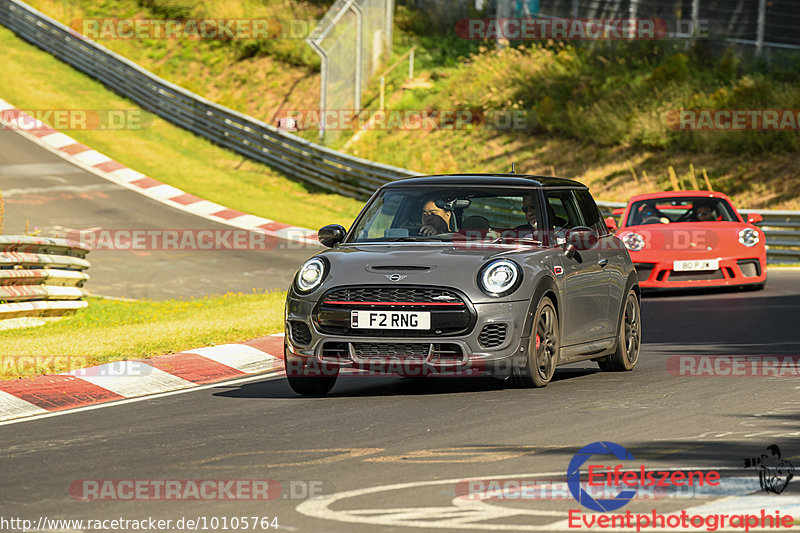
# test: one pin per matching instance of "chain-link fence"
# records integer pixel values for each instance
(351, 40)
(761, 25)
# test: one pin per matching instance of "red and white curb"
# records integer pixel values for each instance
(128, 379)
(101, 165)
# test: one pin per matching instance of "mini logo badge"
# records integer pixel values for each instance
(395, 277)
(558, 270)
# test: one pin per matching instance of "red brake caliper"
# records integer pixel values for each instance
(538, 341)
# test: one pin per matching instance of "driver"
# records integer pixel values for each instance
(435, 220)
(704, 213)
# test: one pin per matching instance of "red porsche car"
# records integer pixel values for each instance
(690, 239)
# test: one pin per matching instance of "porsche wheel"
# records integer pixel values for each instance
(543, 349)
(629, 340)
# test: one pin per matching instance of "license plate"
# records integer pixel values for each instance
(390, 319)
(686, 266)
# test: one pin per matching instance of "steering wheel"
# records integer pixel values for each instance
(651, 219)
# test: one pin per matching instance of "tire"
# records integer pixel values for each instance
(543, 349)
(629, 339)
(309, 378)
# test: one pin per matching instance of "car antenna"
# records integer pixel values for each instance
(513, 168)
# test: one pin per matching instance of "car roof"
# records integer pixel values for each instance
(471, 180)
(678, 194)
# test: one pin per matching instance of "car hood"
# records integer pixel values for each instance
(694, 238)
(416, 264)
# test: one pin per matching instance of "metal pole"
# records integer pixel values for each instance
(323, 85)
(762, 16)
(574, 11)
(695, 17)
(359, 60)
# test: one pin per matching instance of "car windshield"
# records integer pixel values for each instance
(680, 209)
(434, 214)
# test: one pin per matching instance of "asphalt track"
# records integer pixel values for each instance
(47, 192)
(424, 435)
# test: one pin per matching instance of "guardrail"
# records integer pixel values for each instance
(303, 160)
(41, 280)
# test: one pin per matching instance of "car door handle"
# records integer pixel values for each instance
(603, 262)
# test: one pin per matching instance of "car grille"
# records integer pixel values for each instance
(450, 312)
(492, 335)
(643, 270)
(396, 295)
(414, 350)
(750, 267)
(695, 276)
(301, 335)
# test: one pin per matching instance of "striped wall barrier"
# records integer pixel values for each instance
(41, 280)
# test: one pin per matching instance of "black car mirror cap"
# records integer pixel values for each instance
(570, 251)
(331, 235)
(582, 238)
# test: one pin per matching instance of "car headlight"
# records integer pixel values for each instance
(310, 274)
(748, 237)
(633, 241)
(500, 278)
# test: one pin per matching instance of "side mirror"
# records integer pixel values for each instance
(581, 238)
(754, 218)
(331, 235)
(618, 211)
(611, 223)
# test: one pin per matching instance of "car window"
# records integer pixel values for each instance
(563, 207)
(592, 217)
(680, 209)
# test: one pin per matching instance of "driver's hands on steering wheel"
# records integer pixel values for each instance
(428, 231)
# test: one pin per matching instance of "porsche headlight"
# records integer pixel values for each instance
(633, 241)
(310, 274)
(748, 237)
(500, 277)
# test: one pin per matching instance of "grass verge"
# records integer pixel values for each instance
(113, 330)
(164, 151)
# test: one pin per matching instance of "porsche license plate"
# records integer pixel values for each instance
(390, 319)
(687, 266)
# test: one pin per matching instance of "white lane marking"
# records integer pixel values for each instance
(125, 175)
(238, 356)
(205, 208)
(164, 191)
(92, 157)
(60, 188)
(57, 140)
(251, 221)
(266, 377)
(10, 405)
(131, 378)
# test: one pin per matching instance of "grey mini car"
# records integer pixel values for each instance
(504, 275)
